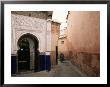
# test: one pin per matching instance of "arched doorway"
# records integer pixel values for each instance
(28, 54)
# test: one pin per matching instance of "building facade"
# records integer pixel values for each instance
(63, 43)
(30, 39)
(54, 40)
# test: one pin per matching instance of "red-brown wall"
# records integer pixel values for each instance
(84, 40)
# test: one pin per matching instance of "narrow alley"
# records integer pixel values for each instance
(41, 38)
(65, 69)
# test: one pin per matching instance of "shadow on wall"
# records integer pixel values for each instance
(88, 63)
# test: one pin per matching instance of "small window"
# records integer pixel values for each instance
(62, 42)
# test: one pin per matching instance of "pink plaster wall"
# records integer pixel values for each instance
(84, 31)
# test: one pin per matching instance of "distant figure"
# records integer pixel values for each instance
(61, 57)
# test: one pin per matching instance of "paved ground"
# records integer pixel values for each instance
(65, 69)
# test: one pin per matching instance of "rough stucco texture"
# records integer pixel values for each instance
(54, 40)
(63, 48)
(84, 31)
(84, 41)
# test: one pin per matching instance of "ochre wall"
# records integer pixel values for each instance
(84, 31)
(84, 40)
(63, 48)
(54, 40)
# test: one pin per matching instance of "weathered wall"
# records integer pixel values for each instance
(54, 40)
(63, 47)
(35, 14)
(84, 32)
(84, 40)
(63, 43)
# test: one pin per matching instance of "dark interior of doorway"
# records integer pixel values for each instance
(56, 54)
(24, 53)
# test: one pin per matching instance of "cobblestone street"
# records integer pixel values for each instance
(65, 69)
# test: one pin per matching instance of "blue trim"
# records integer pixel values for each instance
(45, 63)
(13, 64)
(48, 63)
(42, 62)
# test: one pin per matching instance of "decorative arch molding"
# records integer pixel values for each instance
(30, 55)
(28, 35)
(20, 34)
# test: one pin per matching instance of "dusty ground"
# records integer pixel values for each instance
(65, 69)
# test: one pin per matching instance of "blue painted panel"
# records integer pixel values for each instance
(13, 64)
(42, 62)
(48, 63)
(45, 63)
